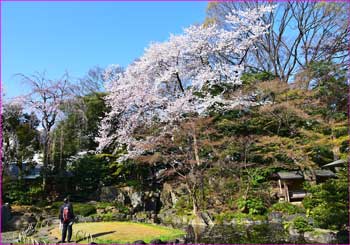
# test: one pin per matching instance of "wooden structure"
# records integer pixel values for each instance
(291, 183)
(336, 165)
(322, 175)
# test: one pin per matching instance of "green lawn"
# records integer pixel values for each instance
(120, 232)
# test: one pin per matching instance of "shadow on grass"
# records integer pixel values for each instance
(96, 235)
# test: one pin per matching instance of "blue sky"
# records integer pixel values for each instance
(74, 36)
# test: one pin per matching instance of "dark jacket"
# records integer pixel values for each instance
(70, 212)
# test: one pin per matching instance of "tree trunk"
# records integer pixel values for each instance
(335, 148)
(61, 150)
(45, 160)
(192, 193)
(195, 205)
(195, 145)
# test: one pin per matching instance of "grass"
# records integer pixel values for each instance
(121, 232)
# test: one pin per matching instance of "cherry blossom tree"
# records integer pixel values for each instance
(46, 100)
(188, 75)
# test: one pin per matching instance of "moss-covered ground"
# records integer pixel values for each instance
(120, 232)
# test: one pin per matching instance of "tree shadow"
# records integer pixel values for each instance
(96, 235)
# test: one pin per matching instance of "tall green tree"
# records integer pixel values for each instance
(77, 132)
(21, 139)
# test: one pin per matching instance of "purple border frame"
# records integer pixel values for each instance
(348, 106)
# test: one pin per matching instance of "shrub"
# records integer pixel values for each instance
(228, 216)
(84, 209)
(89, 172)
(122, 208)
(106, 217)
(251, 205)
(183, 205)
(102, 205)
(328, 203)
(301, 224)
(286, 208)
(20, 192)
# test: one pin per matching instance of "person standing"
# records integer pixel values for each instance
(66, 217)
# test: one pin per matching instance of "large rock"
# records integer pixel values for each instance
(275, 217)
(202, 219)
(49, 221)
(294, 233)
(115, 194)
(169, 217)
(152, 201)
(139, 242)
(21, 222)
(136, 199)
(320, 236)
(157, 241)
(169, 195)
(108, 193)
(198, 221)
(6, 216)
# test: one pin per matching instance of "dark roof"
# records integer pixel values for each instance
(324, 173)
(290, 175)
(335, 163)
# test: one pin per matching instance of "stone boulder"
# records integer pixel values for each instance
(108, 193)
(275, 217)
(129, 196)
(170, 217)
(48, 221)
(21, 222)
(157, 241)
(82, 219)
(202, 219)
(139, 242)
(115, 194)
(152, 201)
(320, 236)
(136, 199)
(6, 216)
(170, 195)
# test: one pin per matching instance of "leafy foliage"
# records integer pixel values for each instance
(286, 208)
(301, 224)
(78, 131)
(252, 205)
(20, 136)
(90, 172)
(84, 209)
(328, 202)
(18, 192)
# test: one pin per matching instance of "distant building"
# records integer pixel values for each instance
(29, 172)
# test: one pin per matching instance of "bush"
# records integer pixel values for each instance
(286, 208)
(122, 208)
(183, 205)
(90, 172)
(301, 224)
(84, 209)
(251, 205)
(102, 205)
(20, 192)
(228, 216)
(328, 203)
